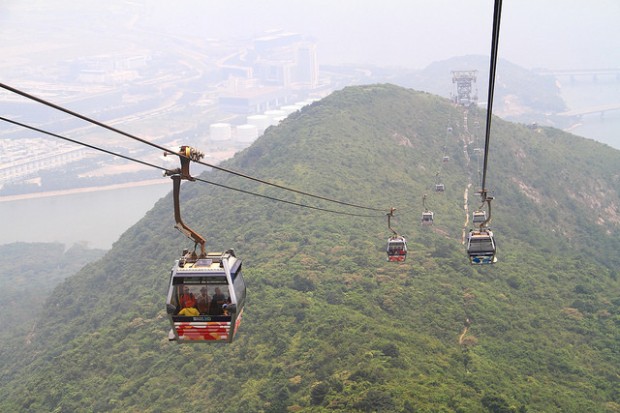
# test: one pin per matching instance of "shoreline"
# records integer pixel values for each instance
(62, 192)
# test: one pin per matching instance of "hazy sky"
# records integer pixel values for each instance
(412, 33)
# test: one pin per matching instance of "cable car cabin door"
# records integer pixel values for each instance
(205, 301)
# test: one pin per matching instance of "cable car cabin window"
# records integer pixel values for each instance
(481, 243)
(479, 217)
(239, 287)
(199, 296)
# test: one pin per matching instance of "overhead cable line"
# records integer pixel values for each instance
(168, 170)
(23, 125)
(493, 65)
(169, 151)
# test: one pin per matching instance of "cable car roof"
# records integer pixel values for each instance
(211, 264)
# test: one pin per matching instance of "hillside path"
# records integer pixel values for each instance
(462, 336)
(466, 208)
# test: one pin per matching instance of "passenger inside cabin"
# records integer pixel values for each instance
(189, 312)
(187, 302)
(396, 247)
(203, 301)
(225, 306)
(187, 299)
(217, 301)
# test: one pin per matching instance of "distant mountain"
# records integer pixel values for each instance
(329, 324)
(30, 271)
(521, 95)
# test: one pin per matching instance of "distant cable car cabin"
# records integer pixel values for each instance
(397, 249)
(207, 292)
(440, 188)
(205, 299)
(478, 217)
(397, 244)
(446, 158)
(481, 246)
(427, 218)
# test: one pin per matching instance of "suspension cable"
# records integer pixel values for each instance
(23, 125)
(169, 171)
(493, 65)
(169, 151)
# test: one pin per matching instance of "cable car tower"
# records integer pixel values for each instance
(464, 79)
(206, 294)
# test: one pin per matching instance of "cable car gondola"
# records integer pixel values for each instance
(396, 244)
(427, 216)
(206, 298)
(481, 246)
(206, 294)
(479, 217)
(397, 249)
(439, 186)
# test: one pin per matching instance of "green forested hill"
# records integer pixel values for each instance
(329, 324)
(28, 274)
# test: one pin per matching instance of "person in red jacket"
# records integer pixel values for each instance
(187, 299)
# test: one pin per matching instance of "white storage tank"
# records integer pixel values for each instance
(247, 133)
(275, 114)
(261, 122)
(306, 102)
(288, 109)
(220, 132)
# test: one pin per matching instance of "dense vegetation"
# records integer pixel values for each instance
(329, 324)
(28, 274)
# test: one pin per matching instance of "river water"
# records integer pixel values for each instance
(586, 93)
(99, 218)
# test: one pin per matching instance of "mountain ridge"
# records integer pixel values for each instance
(330, 325)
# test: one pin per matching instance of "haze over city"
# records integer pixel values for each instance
(550, 34)
(142, 60)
